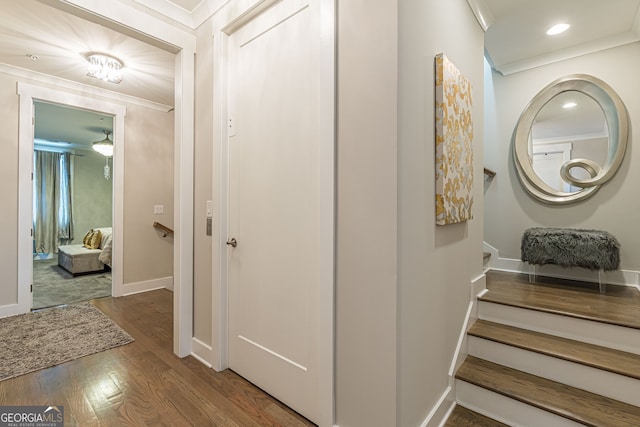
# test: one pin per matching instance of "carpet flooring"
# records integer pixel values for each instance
(53, 285)
(46, 338)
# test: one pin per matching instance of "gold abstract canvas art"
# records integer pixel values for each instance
(454, 144)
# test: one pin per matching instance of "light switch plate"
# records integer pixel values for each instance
(158, 209)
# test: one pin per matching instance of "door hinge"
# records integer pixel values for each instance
(31, 232)
(31, 288)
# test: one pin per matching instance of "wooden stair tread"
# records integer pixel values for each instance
(569, 402)
(619, 306)
(463, 417)
(616, 361)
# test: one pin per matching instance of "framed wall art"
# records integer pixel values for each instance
(454, 144)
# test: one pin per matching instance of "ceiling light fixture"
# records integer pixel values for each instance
(557, 29)
(104, 147)
(104, 67)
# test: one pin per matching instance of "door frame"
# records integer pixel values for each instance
(127, 20)
(29, 93)
(226, 22)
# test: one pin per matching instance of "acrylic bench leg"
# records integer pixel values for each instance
(602, 281)
(532, 273)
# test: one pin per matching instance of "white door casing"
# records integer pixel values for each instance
(280, 85)
(28, 93)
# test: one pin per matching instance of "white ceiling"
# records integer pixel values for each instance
(515, 39)
(59, 40)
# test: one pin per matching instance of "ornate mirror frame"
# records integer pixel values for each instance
(618, 127)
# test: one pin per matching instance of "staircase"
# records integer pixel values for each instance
(550, 354)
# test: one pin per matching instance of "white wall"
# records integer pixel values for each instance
(402, 282)
(366, 264)
(436, 263)
(203, 187)
(509, 210)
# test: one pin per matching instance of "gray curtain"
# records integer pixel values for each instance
(52, 221)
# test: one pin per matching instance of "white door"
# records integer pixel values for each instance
(547, 167)
(274, 276)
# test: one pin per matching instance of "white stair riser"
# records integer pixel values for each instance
(595, 380)
(603, 334)
(507, 410)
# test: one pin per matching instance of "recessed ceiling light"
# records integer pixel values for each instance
(568, 105)
(557, 29)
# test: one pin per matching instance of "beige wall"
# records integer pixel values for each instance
(92, 194)
(366, 265)
(203, 191)
(436, 263)
(402, 282)
(148, 181)
(509, 210)
(9, 191)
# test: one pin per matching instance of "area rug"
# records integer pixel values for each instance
(46, 338)
(53, 285)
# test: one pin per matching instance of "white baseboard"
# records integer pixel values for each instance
(11, 310)
(147, 285)
(202, 352)
(618, 277)
(441, 411)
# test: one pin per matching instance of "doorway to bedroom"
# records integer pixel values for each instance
(72, 205)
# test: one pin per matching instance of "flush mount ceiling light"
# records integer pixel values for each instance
(104, 67)
(104, 147)
(557, 29)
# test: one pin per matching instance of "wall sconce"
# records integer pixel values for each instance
(104, 67)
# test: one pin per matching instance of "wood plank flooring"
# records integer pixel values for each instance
(144, 383)
(463, 417)
(578, 405)
(607, 359)
(619, 306)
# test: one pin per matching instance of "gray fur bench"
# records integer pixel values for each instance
(592, 249)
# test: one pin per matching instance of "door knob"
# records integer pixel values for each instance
(233, 242)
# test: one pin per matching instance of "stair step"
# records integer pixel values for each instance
(618, 362)
(463, 417)
(562, 400)
(619, 306)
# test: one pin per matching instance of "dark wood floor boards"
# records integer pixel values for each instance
(619, 306)
(578, 405)
(463, 417)
(611, 360)
(144, 383)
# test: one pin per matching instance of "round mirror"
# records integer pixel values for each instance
(570, 139)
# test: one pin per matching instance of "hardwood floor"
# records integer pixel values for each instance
(619, 306)
(552, 375)
(463, 417)
(578, 405)
(144, 383)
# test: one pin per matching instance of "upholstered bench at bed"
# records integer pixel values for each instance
(78, 259)
(592, 249)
